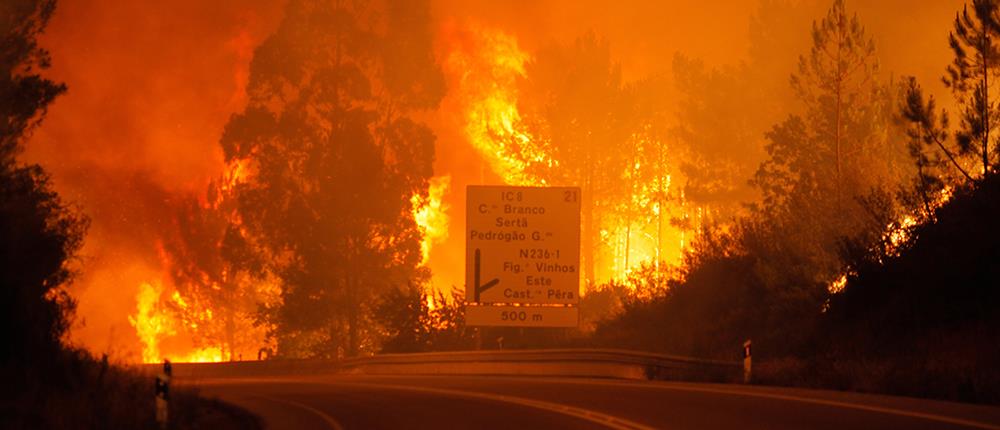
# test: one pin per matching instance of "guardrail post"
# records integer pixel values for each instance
(746, 362)
(163, 394)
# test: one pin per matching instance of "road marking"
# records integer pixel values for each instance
(584, 414)
(326, 418)
(880, 409)
(884, 410)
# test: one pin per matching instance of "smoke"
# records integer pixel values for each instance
(151, 85)
(644, 37)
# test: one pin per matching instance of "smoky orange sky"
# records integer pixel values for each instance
(151, 85)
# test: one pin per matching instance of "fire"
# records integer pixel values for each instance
(486, 66)
(431, 215)
(837, 285)
(203, 321)
(150, 323)
(155, 323)
(900, 232)
(487, 69)
(236, 173)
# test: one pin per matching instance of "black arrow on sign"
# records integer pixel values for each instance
(484, 287)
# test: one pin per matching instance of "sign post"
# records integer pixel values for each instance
(522, 256)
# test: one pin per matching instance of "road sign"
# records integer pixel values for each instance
(522, 247)
(522, 316)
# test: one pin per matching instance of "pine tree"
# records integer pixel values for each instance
(823, 163)
(927, 131)
(976, 63)
(836, 81)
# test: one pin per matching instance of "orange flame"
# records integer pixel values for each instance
(153, 324)
(431, 215)
(485, 67)
(487, 71)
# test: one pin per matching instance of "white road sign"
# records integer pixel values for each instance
(522, 248)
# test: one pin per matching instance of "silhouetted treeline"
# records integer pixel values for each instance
(831, 172)
(925, 321)
(47, 384)
(871, 261)
(40, 233)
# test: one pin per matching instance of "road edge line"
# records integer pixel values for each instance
(835, 403)
(330, 421)
(584, 414)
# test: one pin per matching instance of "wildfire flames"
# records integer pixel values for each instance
(180, 107)
(184, 329)
(431, 215)
(154, 323)
(486, 68)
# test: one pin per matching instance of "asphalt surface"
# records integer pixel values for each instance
(501, 402)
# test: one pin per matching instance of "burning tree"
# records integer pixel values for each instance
(578, 109)
(565, 116)
(218, 276)
(822, 164)
(334, 159)
(938, 168)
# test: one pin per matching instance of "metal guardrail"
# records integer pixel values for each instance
(565, 362)
(612, 363)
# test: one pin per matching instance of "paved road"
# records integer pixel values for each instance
(485, 402)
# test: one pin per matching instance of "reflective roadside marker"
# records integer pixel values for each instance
(163, 394)
(746, 362)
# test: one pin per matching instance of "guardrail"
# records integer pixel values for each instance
(555, 362)
(607, 363)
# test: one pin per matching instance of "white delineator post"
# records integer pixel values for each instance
(163, 394)
(746, 362)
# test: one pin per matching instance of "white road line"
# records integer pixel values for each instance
(835, 403)
(584, 414)
(326, 418)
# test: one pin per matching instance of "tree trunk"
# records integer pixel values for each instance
(986, 104)
(837, 116)
(628, 241)
(660, 204)
(352, 317)
(587, 241)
